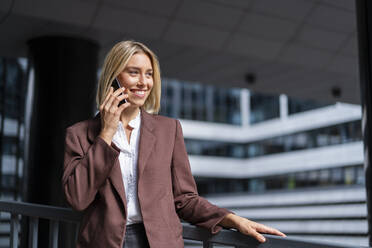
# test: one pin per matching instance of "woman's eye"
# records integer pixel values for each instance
(133, 72)
(149, 74)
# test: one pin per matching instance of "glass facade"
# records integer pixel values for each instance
(199, 102)
(326, 136)
(348, 175)
(12, 103)
(297, 105)
(12, 77)
(263, 107)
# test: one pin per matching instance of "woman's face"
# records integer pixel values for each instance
(137, 78)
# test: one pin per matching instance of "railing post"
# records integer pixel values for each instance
(77, 227)
(14, 229)
(33, 234)
(207, 244)
(53, 233)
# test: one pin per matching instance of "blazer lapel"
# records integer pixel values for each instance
(115, 176)
(146, 142)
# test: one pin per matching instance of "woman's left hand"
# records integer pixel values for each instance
(249, 227)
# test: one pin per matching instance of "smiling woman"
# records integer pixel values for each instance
(128, 168)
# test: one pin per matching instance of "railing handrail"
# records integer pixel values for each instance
(224, 237)
(231, 237)
(40, 211)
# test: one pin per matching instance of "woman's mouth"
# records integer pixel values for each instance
(138, 93)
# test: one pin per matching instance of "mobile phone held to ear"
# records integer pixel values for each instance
(116, 85)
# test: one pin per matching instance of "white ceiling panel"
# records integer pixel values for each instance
(351, 47)
(284, 77)
(18, 31)
(5, 6)
(182, 61)
(333, 19)
(165, 50)
(344, 65)
(129, 22)
(274, 69)
(58, 28)
(210, 14)
(299, 78)
(195, 35)
(320, 38)
(158, 7)
(211, 63)
(266, 27)
(109, 38)
(288, 9)
(234, 3)
(305, 56)
(68, 11)
(234, 74)
(345, 4)
(247, 45)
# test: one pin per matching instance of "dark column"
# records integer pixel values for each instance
(65, 72)
(364, 21)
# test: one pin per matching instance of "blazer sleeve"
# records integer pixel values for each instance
(85, 170)
(189, 205)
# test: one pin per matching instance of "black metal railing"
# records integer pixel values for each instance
(55, 215)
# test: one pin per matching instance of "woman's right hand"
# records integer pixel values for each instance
(110, 113)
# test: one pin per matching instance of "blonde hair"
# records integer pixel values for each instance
(116, 61)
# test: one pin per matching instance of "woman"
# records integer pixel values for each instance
(128, 169)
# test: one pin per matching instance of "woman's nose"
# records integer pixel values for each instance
(141, 80)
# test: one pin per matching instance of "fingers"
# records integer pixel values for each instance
(258, 236)
(109, 94)
(111, 112)
(113, 100)
(269, 230)
(253, 233)
(119, 91)
(118, 99)
(255, 229)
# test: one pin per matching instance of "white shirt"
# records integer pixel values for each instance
(128, 158)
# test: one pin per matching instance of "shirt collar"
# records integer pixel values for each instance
(135, 123)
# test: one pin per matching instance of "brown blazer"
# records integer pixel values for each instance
(92, 183)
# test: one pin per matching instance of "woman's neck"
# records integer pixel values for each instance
(128, 114)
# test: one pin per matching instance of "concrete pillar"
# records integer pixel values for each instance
(364, 22)
(65, 78)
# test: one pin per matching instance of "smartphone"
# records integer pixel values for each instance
(116, 85)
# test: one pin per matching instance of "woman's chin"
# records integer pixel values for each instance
(136, 104)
